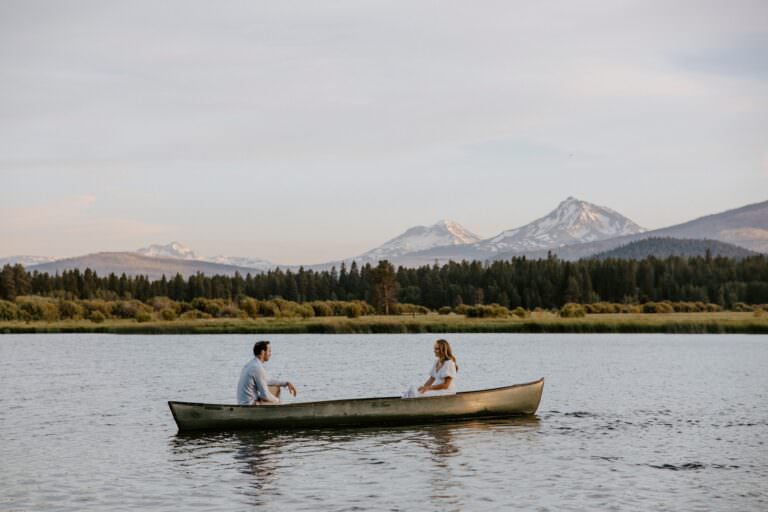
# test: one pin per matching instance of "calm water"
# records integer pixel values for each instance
(627, 422)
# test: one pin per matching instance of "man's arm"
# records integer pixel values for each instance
(283, 384)
(262, 386)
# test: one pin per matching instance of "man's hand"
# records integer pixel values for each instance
(291, 388)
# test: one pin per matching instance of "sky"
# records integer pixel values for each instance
(303, 132)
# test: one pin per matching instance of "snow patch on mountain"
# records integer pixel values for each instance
(180, 251)
(238, 261)
(24, 260)
(172, 250)
(421, 238)
(572, 222)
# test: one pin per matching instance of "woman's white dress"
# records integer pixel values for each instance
(448, 369)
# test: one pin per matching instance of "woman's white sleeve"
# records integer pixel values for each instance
(450, 369)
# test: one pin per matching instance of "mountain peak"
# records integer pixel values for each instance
(420, 238)
(573, 221)
(174, 249)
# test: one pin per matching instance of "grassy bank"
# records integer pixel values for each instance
(693, 323)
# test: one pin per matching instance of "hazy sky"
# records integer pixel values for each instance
(303, 132)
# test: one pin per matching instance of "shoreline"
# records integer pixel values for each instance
(669, 323)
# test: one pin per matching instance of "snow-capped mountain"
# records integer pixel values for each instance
(237, 261)
(24, 260)
(172, 250)
(572, 222)
(180, 251)
(421, 238)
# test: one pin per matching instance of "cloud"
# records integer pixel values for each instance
(42, 216)
(196, 115)
(73, 226)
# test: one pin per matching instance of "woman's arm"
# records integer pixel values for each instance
(445, 385)
(427, 385)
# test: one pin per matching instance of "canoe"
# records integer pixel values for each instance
(517, 400)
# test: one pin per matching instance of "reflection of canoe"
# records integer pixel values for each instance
(520, 399)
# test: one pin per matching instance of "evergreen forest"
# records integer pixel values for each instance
(545, 283)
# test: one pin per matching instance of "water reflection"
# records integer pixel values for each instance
(446, 478)
(270, 460)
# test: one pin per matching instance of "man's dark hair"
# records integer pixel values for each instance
(260, 347)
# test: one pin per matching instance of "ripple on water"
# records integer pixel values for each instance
(624, 424)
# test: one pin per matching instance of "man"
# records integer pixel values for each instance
(255, 386)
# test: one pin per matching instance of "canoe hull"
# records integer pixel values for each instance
(520, 399)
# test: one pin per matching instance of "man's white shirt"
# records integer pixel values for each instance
(254, 384)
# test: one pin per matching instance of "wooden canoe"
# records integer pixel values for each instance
(520, 399)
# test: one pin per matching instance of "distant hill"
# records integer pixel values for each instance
(24, 260)
(665, 247)
(180, 251)
(131, 263)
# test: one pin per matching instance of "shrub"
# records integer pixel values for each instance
(168, 315)
(232, 311)
(269, 308)
(287, 308)
(410, 309)
(487, 311)
(38, 308)
(128, 308)
(744, 308)
(353, 310)
(97, 317)
(445, 310)
(338, 307)
(143, 316)
(657, 307)
(211, 306)
(249, 306)
(194, 314)
(759, 312)
(520, 312)
(572, 310)
(461, 309)
(713, 308)
(687, 307)
(603, 308)
(304, 311)
(321, 308)
(103, 307)
(70, 309)
(8, 310)
(161, 303)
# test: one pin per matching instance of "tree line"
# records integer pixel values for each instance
(519, 282)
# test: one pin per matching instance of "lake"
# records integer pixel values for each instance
(626, 422)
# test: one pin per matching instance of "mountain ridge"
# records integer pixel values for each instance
(442, 233)
(132, 263)
(745, 226)
(751, 219)
(571, 221)
(662, 248)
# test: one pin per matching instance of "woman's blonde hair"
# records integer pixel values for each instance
(444, 352)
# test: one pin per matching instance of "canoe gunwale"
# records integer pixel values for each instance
(346, 400)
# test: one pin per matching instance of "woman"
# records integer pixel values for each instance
(441, 376)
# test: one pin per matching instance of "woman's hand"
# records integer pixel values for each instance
(427, 386)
